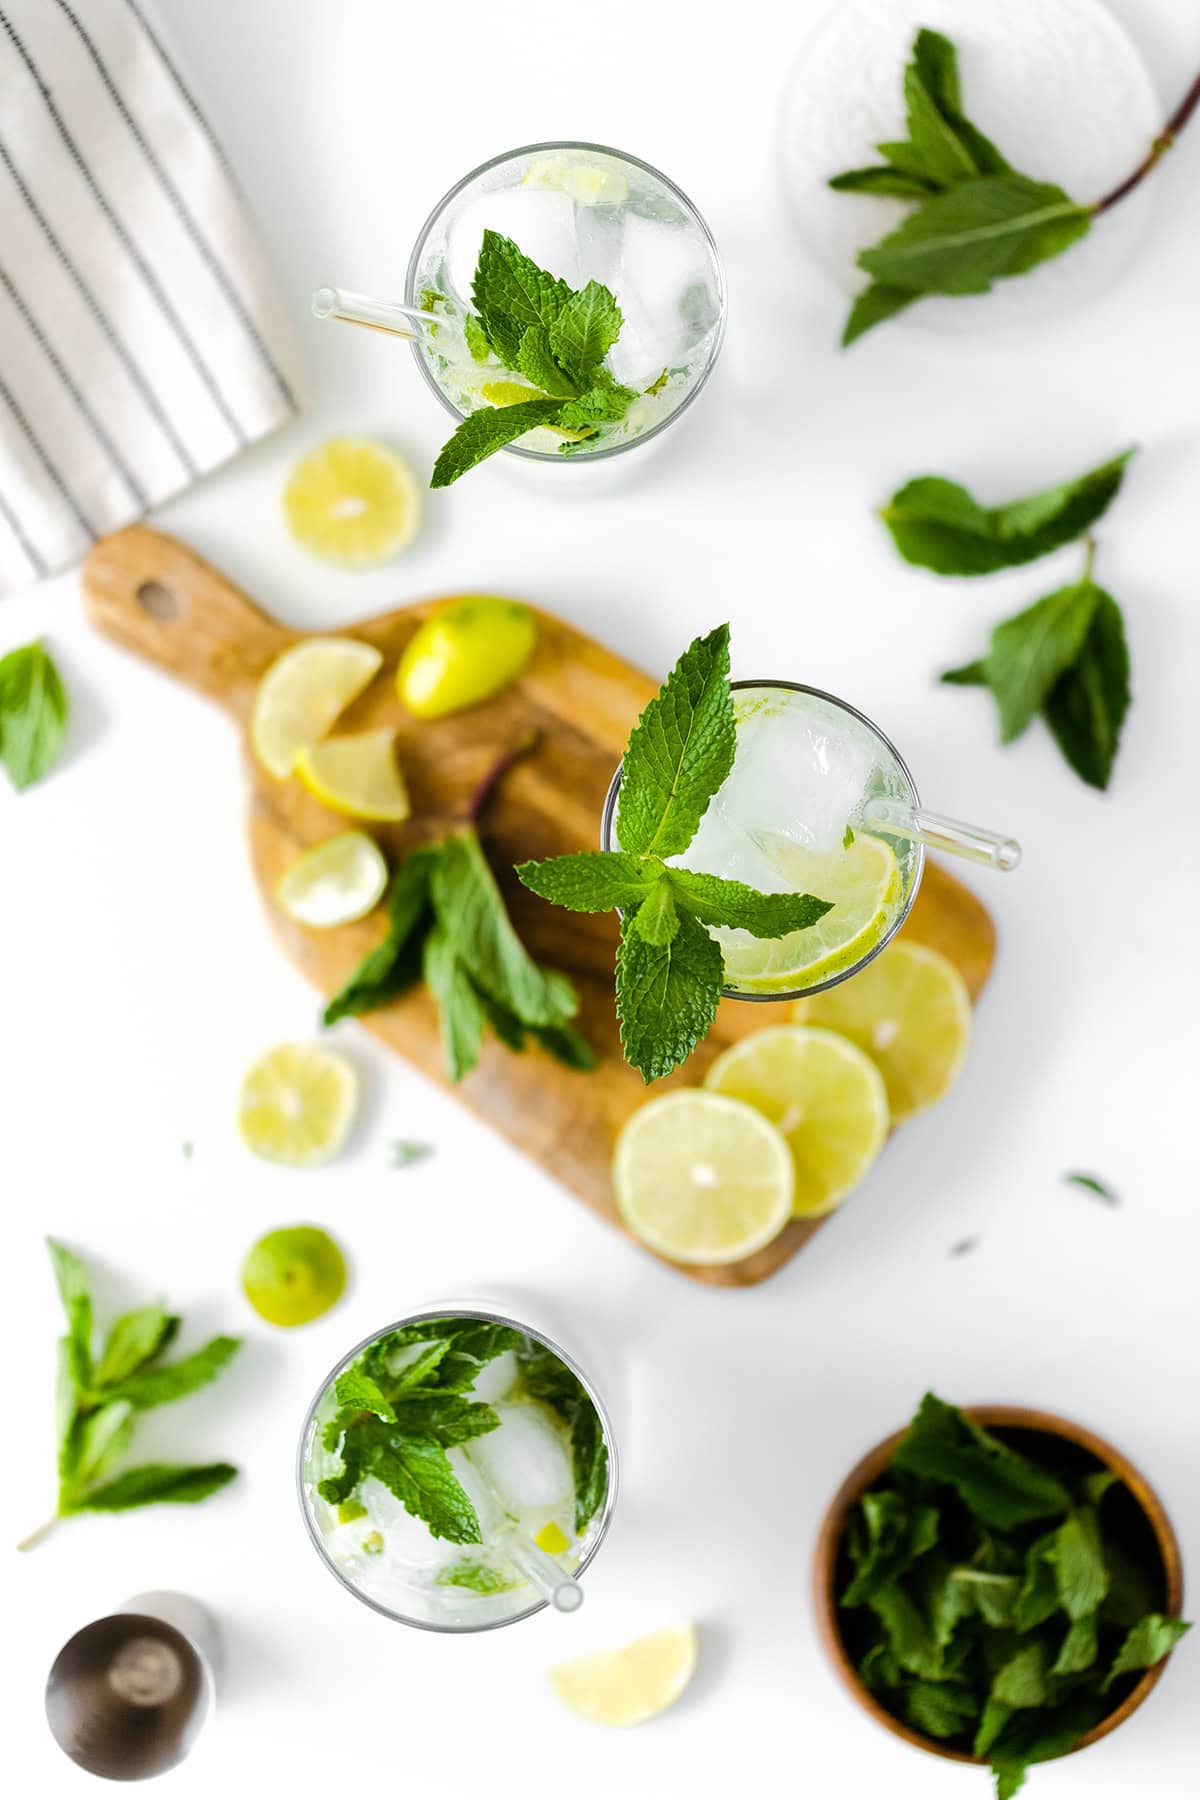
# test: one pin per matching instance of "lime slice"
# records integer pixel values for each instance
(293, 1275)
(628, 1686)
(302, 694)
(586, 183)
(464, 653)
(510, 393)
(353, 502)
(822, 1094)
(702, 1178)
(297, 1104)
(864, 883)
(334, 882)
(911, 1012)
(356, 774)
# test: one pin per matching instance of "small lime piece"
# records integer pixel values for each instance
(464, 653)
(822, 1094)
(334, 882)
(353, 502)
(297, 1104)
(552, 1539)
(293, 1275)
(302, 694)
(628, 1686)
(702, 1178)
(356, 774)
(911, 1012)
(586, 183)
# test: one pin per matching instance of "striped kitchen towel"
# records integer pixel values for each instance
(141, 339)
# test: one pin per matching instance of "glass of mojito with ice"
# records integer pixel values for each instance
(457, 1471)
(592, 222)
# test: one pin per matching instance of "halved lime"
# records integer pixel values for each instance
(911, 1012)
(335, 882)
(824, 1096)
(862, 880)
(702, 1178)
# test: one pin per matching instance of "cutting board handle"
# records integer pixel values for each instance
(154, 596)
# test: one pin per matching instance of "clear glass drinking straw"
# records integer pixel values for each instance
(971, 842)
(379, 315)
(541, 1570)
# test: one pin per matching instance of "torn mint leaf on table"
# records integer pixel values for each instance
(33, 714)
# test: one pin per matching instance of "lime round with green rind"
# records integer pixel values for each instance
(293, 1275)
(465, 652)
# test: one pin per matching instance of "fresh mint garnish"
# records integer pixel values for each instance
(976, 219)
(938, 525)
(669, 969)
(448, 925)
(401, 1406)
(97, 1399)
(33, 714)
(555, 337)
(479, 1577)
(996, 1601)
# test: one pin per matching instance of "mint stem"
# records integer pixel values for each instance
(43, 1531)
(1157, 151)
(495, 775)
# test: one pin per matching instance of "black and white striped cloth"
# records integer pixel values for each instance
(141, 339)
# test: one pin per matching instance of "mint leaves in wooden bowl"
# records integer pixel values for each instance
(997, 1586)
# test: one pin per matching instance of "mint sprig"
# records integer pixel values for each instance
(97, 1400)
(976, 219)
(556, 337)
(993, 1601)
(669, 969)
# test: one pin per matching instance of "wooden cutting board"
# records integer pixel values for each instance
(156, 597)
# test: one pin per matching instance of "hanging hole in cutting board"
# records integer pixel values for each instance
(160, 602)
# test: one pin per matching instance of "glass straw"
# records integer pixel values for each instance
(972, 842)
(378, 315)
(542, 1571)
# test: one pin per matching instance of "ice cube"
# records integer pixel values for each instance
(657, 266)
(525, 1460)
(539, 221)
(496, 1377)
(800, 772)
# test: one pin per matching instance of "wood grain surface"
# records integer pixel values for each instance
(157, 598)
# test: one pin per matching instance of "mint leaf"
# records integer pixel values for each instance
(511, 293)
(1022, 1680)
(1148, 1642)
(994, 1718)
(679, 753)
(395, 964)
(103, 1437)
(1086, 707)
(354, 1388)
(893, 1535)
(134, 1339)
(993, 1596)
(599, 405)
(963, 240)
(1079, 1648)
(585, 330)
(656, 919)
(940, 152)
(973, 674)
(477, 339)
(741, 908)
(460, 1014)
(935, 61)
(1038, 1598)
(1094, 1185)
(447, 1417)
(942, 1709)
(908, 1633)
(938, 525)
(415, 1468)
(667, 995)
(471, 911)
(155, 1483)
(479, 1577)
(536, 360)
(1030, 651)
(482, 433)
(1001, 1488)
(74, 1290)
(592, 880)
(897, 184)
(562, 1042)
(33, 714)
(159, 1387)
(876, 303)
(1079, 1564)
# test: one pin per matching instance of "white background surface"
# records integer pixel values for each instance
(138, 978)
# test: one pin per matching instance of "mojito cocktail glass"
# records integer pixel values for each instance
(508, 1416)
(585, 213)
(810, 805)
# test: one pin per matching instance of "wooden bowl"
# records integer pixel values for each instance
(1013, 1424)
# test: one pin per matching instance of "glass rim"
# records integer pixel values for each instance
(608, 821)
(490, 1315)
(717, 334)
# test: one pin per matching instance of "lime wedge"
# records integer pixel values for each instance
(631, 1685)
(356, 774)
(302, 694)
